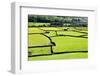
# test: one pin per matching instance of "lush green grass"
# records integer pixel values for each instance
(37, 39)
(38, 24)
(52, 28)
(35, 30)
(69, 42)
(37, 51)
(61, 56)
(69, 33)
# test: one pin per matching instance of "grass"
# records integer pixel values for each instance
(60, 56)
(35, 30)
(36, 51)
(37, 39)
(38, 24)
(69, 42)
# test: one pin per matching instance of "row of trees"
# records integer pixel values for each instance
(59, 20)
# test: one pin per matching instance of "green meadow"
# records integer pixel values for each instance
(57, 37)
(69, 42)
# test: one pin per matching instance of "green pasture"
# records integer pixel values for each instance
(38, 24)
(61, 56)
(70, 44)
(65, 41)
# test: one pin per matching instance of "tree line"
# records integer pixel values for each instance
(59, 20)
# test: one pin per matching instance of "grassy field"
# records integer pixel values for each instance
(74, 39)
(37, 24)
(61, 56)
